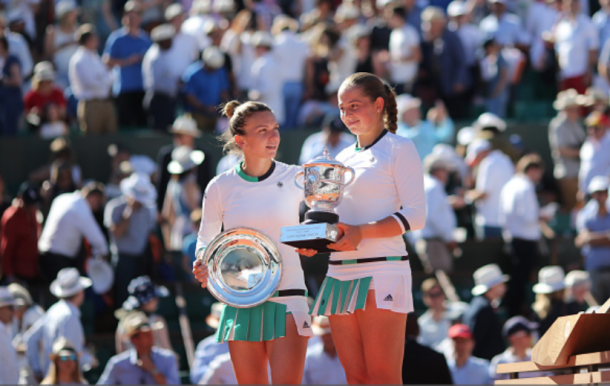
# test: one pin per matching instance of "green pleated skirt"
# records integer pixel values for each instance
(264, 322)
(341, 297)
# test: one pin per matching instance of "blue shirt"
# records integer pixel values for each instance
(474, 372)
(426, 135)
(595, 257)
(206, 86)
(207, 350)
(189, 246)
(122, 45)
(122, 369)
(601, 20)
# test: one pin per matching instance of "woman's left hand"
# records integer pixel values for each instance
(350, 237)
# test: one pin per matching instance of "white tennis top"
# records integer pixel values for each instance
(389, 182)
(265, 203)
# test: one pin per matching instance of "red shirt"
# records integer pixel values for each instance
(19, 234)
(35, 99)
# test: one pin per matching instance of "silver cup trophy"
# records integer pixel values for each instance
(324, 179)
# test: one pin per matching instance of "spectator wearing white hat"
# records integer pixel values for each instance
(62, 319)
(130, 218)
(162, 71)
(182, 196)
(518, 331)
(593, 236)
(576, 43)
(199, 14)
(208, 349)
(505, 27)
(520, 218)
(123, 52)
(404, 50)
(425, 134)
(550, 304)
(60, 39)
(494, 170)
(185, 47)
(490, 127)
(566, 136)
(480, 316)
(64, 366)
(206, 86)
(267, 86)
(43, 92)
(435, 243)
(144, 363)
(69, 220)
(469, 34)
(184, 132)
(578, 290)
(18, 46)
(9, 368)
(594, 158)
(322, 365)
(291, 53)
(443, 72)
(91, 81)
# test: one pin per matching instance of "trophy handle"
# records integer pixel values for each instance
(348, 169)
(296, 179)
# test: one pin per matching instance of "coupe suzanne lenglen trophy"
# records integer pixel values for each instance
(245, 267)
(324, 180)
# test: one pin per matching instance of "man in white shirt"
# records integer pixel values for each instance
(594, 154)
(576, 43)
(405, 53)
(70, 219)
(435, 242)
(494, 170)
(161, 77)
(322, 365)
(333, 137)
(520, 219)
(9, 369)
(291, 53)
(185, 48)
(267, 85)
(62, 319)
(91, 81)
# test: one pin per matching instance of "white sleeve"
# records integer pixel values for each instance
(482, 179)
(409, 179)
(92, 231)
(211, 216)
(72, 330)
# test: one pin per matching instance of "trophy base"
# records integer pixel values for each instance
(313, 217)
(310, 236)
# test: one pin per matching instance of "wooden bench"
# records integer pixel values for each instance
(580, 369)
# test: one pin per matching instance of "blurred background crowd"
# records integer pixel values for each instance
(108, 137)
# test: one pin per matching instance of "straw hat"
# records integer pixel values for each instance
(486, 277)
(101, 275)
(185, 125)
(172, 11)
(44, 71)
(22, 296)
(598, 184)
(576, 277)
(6, 297)
(139, 187)
(550, 279)
(213, 57)
(489, 120)
(69, 283)
(163, 32)
(594, 95)
(568, 98)
(61, 344)
(184, 158)
(432, 13)
(137, 321)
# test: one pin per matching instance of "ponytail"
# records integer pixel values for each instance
(390, 111)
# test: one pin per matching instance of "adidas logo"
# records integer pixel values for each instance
(305, 325)
(388, 298)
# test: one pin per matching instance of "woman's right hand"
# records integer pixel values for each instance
(200, 271)
(306, 252)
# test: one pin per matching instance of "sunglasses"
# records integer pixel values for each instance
(68, 357)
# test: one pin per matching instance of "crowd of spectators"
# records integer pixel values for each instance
(98, 67)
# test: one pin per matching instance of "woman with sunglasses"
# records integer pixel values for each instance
(367, 291)
(64, 368)
(259, 193)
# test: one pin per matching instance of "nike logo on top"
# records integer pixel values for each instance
(388, 298)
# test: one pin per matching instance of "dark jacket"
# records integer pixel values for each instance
(486, 327)
(205, 172)
(422, 365)
(558, 308)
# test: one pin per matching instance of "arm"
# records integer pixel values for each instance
(594, 239)
(108, 377)
(92, 232)
(410, 186)
(211, 219)
(49, 40)
(32, 339)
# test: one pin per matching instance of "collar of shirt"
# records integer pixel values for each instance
(75, 310)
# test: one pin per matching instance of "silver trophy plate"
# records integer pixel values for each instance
(245, 267)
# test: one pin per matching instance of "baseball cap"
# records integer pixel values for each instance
(459, 331)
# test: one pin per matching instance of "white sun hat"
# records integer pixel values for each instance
(69, 283)
(101, 275)
(213, 57)
(185, 124)
(184, 158)
(598, 184)
(489, 120)
(139, 187)
(486, 277)
(550, 279)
